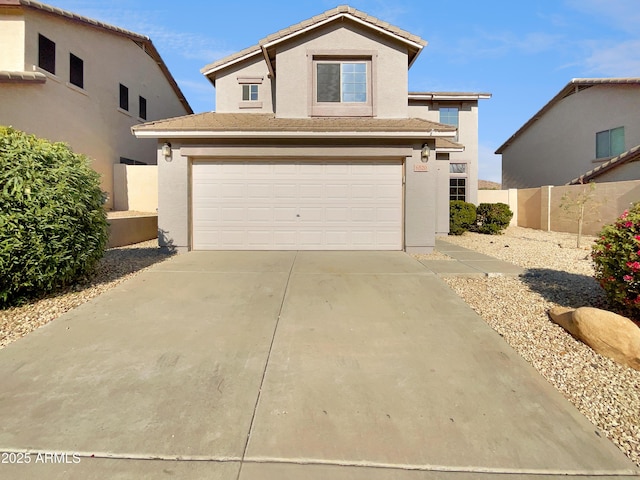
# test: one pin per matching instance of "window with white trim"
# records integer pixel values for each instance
(458, 181)
(250, 92)
(342, 87)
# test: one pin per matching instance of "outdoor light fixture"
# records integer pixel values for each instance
(424, 154)
(166, 151)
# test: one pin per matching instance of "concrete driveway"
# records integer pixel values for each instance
(285, 365)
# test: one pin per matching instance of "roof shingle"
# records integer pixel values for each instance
(257, 122)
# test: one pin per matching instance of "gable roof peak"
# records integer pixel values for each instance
(415, 43)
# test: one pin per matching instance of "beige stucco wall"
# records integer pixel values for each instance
(89, 119)
(135, 187)
(529, 201)
(294, 72)
(421, 209)
(12, 42)
(560, 145)
(229, 90)
(467, 135)
(130, 230)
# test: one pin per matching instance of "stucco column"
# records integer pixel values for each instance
(420, 203)
(173, 203)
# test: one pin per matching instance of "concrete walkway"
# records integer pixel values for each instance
(469, 263)
(286, 365)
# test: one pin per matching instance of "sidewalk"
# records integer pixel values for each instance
(467, 263)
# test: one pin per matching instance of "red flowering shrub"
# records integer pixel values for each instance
(616, 257)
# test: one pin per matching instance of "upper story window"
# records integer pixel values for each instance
(124, 98)
(250, 93)
(344, 82)
(449, 116)
(250, 87)
(342, 87)
(76, 71)
(46, 54)
(610, 143)
(142, 108)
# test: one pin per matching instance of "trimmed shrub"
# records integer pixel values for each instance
(462, 216)
(493, 218)
(616, 258)
(53, 227)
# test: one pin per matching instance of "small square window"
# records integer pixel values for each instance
(250, 93)
(124, 98)
(46, 54)
(142, 107)
(449, 116)
(76, 71)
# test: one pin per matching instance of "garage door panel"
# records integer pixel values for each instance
(297, 205)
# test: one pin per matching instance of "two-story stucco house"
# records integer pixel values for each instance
(315, 144)
(69, 78)
(589, 131)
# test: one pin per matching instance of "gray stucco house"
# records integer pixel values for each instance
(590, 130)
(312, 146)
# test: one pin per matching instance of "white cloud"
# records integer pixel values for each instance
(615, 60)
(622, 14)
(489, 164)
(500, 44)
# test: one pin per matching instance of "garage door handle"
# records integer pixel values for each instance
(298, 215)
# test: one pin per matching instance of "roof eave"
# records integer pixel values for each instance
(144, 133)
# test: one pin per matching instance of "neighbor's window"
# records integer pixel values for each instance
(341, 82)
(76, 71)
(458, 189)
(142, 108)
(46, 54)
(610, 143)
(124, 98)
(250, 92)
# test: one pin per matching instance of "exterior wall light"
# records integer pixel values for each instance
(424, 154)
(166, 151)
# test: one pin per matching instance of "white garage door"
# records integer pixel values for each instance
(297, 205)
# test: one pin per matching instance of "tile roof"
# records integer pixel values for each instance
(449, 95)
(574, 86)
(630, 155)
(22, 77)
(335, 13)
(446, 144)
(143, 41)
(258, 122)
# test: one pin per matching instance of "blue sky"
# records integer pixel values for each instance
(521, 51)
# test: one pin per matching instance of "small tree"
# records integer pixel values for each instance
(575, 205)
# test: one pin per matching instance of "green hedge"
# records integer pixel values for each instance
(493, 218)
(53, 226)
(462, 216)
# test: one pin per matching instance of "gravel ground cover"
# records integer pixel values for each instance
(558, 273)
(117, 265)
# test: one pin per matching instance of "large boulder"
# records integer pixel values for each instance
(608, 333)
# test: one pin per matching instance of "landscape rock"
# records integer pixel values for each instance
(607, 333)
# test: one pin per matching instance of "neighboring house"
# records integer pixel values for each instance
(460, 110)
(313, 146)
(68, 78)
(589, 131)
